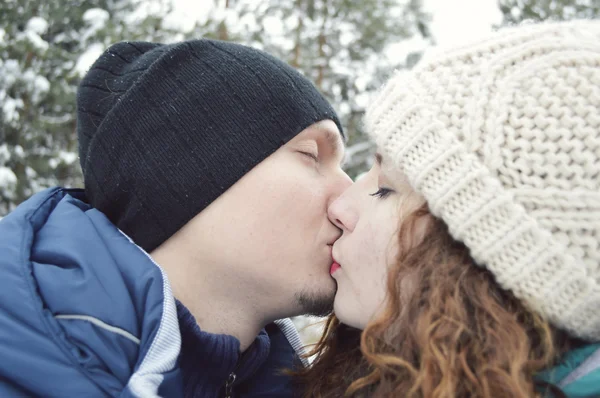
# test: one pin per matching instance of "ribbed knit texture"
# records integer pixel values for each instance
(165, 129)
(503, 140)
(207, 359)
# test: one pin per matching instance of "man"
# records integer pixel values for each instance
(207, 162)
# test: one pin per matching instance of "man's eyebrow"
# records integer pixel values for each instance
(378, 158)
(334, 141)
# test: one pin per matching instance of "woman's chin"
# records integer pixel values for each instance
(346, 313)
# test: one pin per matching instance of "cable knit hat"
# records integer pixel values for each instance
(502, 138)
(165, 129)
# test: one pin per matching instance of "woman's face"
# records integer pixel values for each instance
(369, 213)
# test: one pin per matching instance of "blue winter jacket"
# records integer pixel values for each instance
(84, 312)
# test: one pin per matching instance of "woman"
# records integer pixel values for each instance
(470, 254)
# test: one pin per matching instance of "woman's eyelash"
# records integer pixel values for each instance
(310, 155)
(382, 193)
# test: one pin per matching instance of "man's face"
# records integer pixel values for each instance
(269, 236)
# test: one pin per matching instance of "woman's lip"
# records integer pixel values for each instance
(334, 267)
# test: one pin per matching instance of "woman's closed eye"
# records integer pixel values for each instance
(382, 193)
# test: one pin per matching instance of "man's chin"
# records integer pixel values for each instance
(316, 303)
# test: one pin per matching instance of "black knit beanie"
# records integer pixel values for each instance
(165, 129)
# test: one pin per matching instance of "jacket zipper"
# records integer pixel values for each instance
(233, 376)
(229, 385)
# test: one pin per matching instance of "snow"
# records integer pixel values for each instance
(179, 20)
(10, 109)
(85, 60)
(7, 178)
(10, 70)
(18, 151)
(4, 154)
(186, 13)
(67, 157)
(248, 22)
(96, 16)
(361, 83)
(145, 8)
(453, 22)
(363, 99)
(397, 52)
(36, 40)
(41, 86)
(30, 172)
(96, 19)
(63, 157)
(2, 34)
(276, 28)
(37, 85)
(53, 163)
(344, 108)
(57, 119)
(37, 25)
(274, 25)
(346, 36)
(193, 9)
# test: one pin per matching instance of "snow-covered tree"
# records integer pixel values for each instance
(515, 11)
(45, 47)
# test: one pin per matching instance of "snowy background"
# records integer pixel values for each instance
(347, 47)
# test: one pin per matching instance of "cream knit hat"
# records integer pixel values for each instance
(502, 138)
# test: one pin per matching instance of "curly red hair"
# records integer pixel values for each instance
(447, 330)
